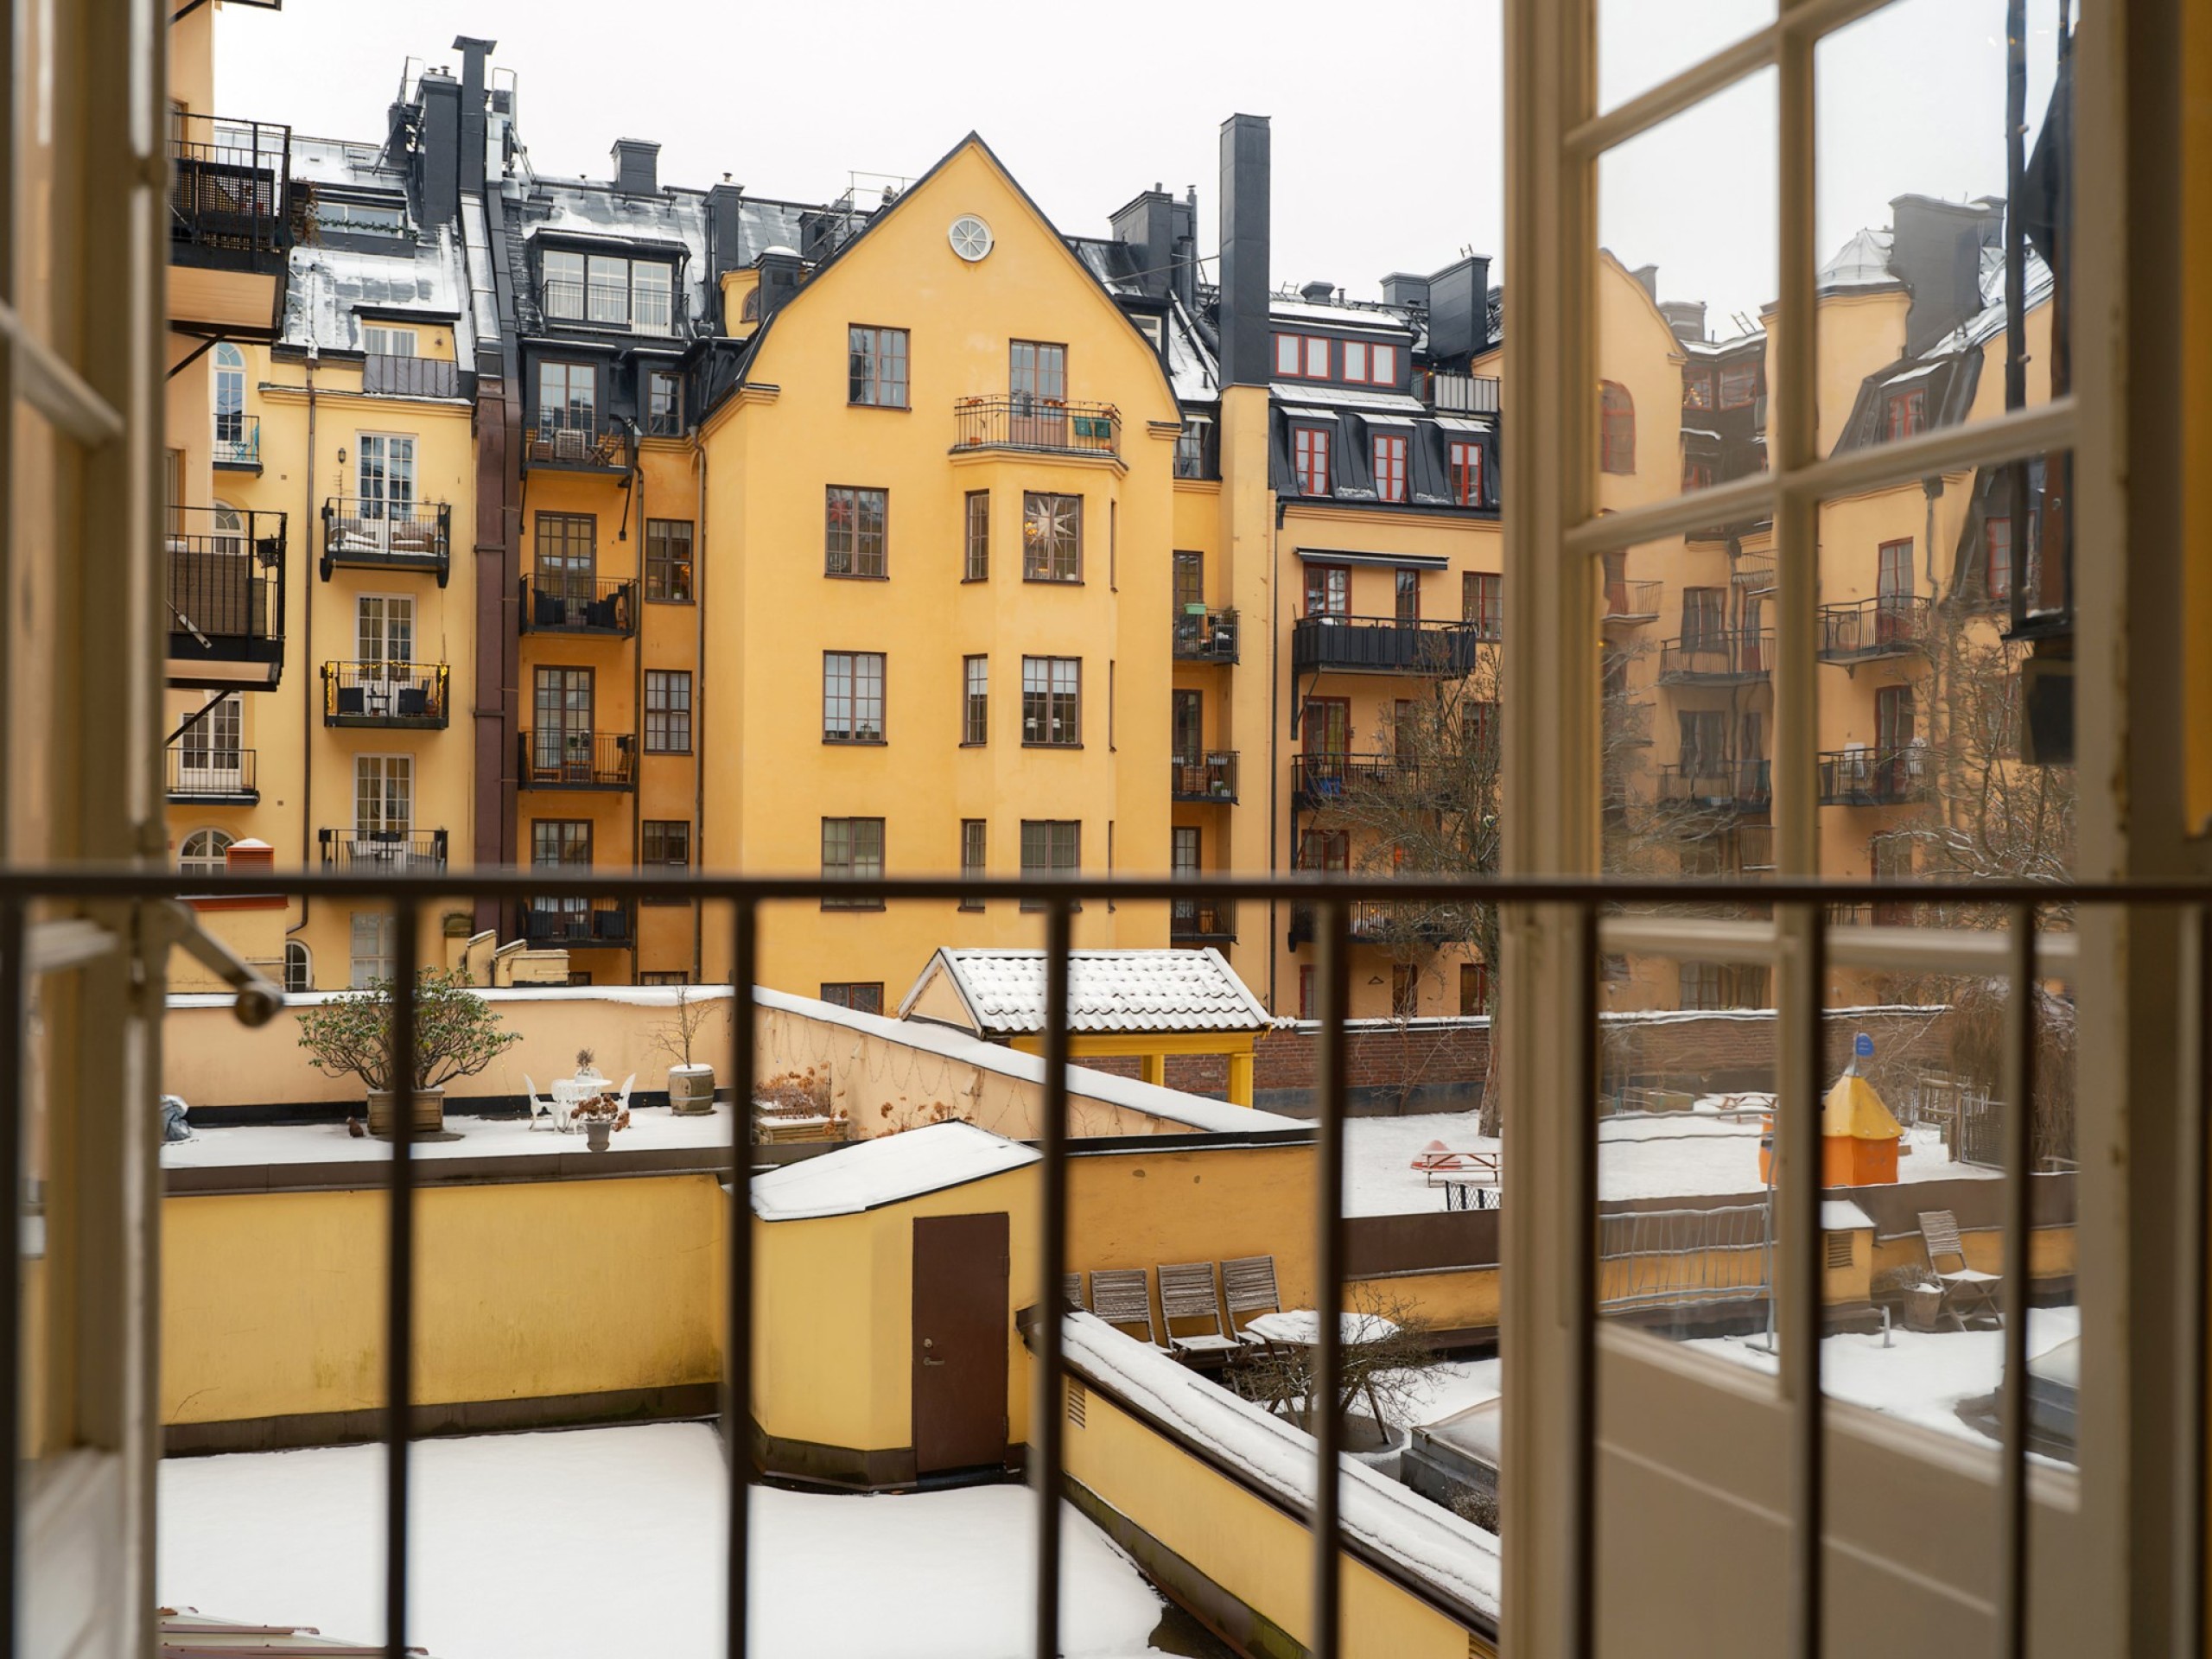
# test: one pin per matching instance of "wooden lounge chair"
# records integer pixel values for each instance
(1967, 1292)
(1120, 1297)
(1187, 1294)
(1249, 1283)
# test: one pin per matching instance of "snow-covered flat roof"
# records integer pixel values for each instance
(232, 1146)
(1003, 991)
(868, 1175)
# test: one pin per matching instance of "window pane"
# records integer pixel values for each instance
(1051, 537)
(978, 565)
(1642, 43)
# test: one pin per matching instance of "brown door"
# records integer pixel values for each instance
(961, 1322)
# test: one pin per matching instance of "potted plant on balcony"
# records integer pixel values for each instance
(601, 1117)
(691, 1082)
(456, 1035)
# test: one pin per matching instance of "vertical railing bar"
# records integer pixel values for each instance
(1797, 1142)
(2190, 1623)
(1582, 1298)
(14, 982)
(1048, 1412)
(737, 1340)
(1333, 928)
(399, 1280)
(2018, 1082)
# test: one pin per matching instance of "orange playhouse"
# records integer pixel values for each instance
(1858, 1138)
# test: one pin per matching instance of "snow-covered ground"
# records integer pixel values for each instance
(1452, 1386)
(1673, 1154)
(479, 1137)
(609, 1541)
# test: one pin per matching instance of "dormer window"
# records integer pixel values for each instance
(1739, 386)
(1370, 364)
(1304, 357)
(1310, 447)
(609, 290)
(1906, 414)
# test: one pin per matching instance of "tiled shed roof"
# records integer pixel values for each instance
(1109, 991)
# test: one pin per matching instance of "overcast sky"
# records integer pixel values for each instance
(1387, 131)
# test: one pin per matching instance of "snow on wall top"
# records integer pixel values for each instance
(869, 1174)
(1108, 991)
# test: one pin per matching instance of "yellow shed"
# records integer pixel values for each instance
(886, 1273)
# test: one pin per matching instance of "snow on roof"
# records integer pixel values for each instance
(1108, 991)
(329, 286)
(1339, 316)
(1191, 368)
(1312, 392)
(1841, 1215)
(1862, 261)
(869, 1174)
(1456, 1558)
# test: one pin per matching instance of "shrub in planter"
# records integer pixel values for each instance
(456, 1035)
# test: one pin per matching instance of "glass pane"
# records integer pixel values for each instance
(1686, 264)
(1914, 235)
(1642, 43)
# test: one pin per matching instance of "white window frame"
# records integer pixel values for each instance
(210, 757)
(388, 340)
(379, 960)
(389, 460)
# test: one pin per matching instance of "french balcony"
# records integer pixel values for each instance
(577, 443)
(564, 604)
(225, 598)
(1205, 636)
(1320, 781)
(212, 777)
(396, 852)
(365, 534)
(1381, 644)
(1743, 658)
(384, 374)
(1463, 394)
(404, 696)
(1211, 778)
(579, 924)
(1374, 921)
(578, 759)
(1632, 603)
(1201, 921)
(1890, 624)
(1894, 777)
(1043, 425)
(1718, 785)
(238, 443)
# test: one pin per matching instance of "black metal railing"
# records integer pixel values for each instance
(549, 757)
(1730, 658)
(230, 191)
(566, 604)
(587, 443)
(226, 594)
(211, 777)
(1889, 625)
(1201, 921)
(1319, 780)
(1386, 922)
(1209, 777)
(1382, 645)
(367, 533)
(398, 851)
(1205, 636)
(1890, 776)
(1736, 784)
(607, 922)
(386, 374)
(1040, 423)
(405, 696)
(237, 442)
(1632, 601)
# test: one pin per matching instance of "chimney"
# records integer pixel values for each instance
(1317, 293)
(1245, 356)
(637, 167)
(1459, 308)
(780, 270)
(1684, 317)
(437, 150)
(1183, 248)
(1403, 289)
(1935, 251)
(1647, 278)
(474, 53)
(1145, 226)
(725, 229)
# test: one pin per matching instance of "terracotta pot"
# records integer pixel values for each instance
(691, 1090)
(430, 1112)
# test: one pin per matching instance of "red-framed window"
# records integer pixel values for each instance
(1739, 386)
(1482, 602)
(1302, 356)
(1307, 1007)
(1389, 467)
(1697, 388)
(1328, 590)
(1997, 557)
(1616, 429)
(1324, 850)
(1310, 447)
(1465, 472)
(1696, 474)
(1369, 363)
(1907, 413)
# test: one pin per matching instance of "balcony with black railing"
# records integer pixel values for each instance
(397, 852)
(562, 603)
(1201, 921)
(388, 374)
(212, 777)
(1042, 424)
(1382, 645)
(579, 924)
(230, 193)
(1718, 786)
(408, 696)
(1633, 602)
(575, 442)
(1890, 624)
(1375, 921)
(366, 533)
(1320, 781)
(1890, 776)
(1212, 776)
(1740, 657)
(549, 757)
(1205, 636)
(226, 598)
(238, 443)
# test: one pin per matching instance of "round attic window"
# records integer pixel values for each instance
(971, 238)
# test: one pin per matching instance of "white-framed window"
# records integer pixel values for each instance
(384, 629)
(374, 948)
(388, 340)
(299, 968)
(384, 794)
(387, 475)
(205, 852)
(211, 754)
(228, 383)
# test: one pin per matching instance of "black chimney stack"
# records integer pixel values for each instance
(725, 229)
(637, 167)
(1935, 251)
(473, 55)
(438, 149)
(1246, 357)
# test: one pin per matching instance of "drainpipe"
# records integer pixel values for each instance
(1274, 734)
(638, 685)
(699, 702)
(307, 644)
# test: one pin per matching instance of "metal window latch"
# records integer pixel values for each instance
(167, 923)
